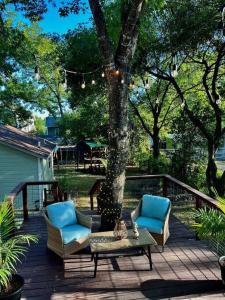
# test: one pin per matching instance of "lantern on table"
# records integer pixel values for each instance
(120, 230)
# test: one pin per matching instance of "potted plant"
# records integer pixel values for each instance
(210, 224)
(12, 248)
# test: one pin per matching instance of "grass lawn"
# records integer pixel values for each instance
(78, 185)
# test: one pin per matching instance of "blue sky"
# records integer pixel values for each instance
(52, 22)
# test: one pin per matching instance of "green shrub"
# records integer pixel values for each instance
(152, 165)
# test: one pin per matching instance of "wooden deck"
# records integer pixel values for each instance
(186, 270)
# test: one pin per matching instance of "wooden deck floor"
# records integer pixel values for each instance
(186, 270)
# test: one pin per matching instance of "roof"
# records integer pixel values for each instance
(95, 145)
(22, 141)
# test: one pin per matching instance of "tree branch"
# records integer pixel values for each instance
(103, 37)
(136, 111)
(129, 33)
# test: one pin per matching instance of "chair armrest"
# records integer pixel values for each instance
(166, 221)
(54, 233)
(83, 219)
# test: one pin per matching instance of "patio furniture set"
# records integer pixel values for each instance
(70, 231)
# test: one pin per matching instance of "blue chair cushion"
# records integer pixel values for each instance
(62, 214)
(152, 225)
(74, 232)
(155, 207)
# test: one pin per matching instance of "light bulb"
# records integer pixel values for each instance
(83, 85)
(65, 85)
(174, 72)
(37, 73)
(122, 81)
(117, 72)
(103, 74)
(132, 84)
(147, 85)
(218, 101)
(93, 82)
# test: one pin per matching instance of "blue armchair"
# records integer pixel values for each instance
(153, 213)
(68, 229)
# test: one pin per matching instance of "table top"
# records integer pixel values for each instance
(106, 242)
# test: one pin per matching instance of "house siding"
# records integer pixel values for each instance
(17, 166)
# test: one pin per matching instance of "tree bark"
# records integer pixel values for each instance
(111, 195)
(156, 143)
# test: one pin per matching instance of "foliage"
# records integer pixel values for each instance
(211, 222)
(11, 247)
(88, 120)
(188, 162)
(39, 124)
(153, 165)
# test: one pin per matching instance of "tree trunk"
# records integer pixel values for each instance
(216, 185)
(155, 138)
(211, 168)
(111, 195)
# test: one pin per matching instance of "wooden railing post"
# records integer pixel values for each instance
(165, 186)
(25, 203)
(92, 201)
(198, 203)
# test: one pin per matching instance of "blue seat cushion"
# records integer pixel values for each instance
(155, 207)
(152, 225)
(74, 232)
(62, 214)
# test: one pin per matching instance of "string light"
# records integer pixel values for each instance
(65, 81)
(37, 75)
(122, 81)
(182, 105)
(93, 82)
(83, 85)
(147, 85)
(132, 84)
(117, 72)
(103, 74)
(218, 101)
(174, 72)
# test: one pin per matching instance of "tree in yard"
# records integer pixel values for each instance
(45, 56)
(154, 109)
(89, 120)
(16, 95)
(199, 57)
(117, 59)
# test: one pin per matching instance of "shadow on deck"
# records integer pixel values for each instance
(186, 269)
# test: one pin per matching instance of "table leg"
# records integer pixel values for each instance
(96, 263)
(150, 257)
(92, 256)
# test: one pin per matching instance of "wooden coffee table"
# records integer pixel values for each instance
(105, 242)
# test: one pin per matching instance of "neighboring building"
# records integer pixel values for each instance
(52, 127)
(24, 158)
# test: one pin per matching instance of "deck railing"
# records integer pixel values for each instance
(32, 196)
(167, 186)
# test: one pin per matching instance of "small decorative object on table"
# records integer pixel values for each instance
(120, 230)
(135, 231)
